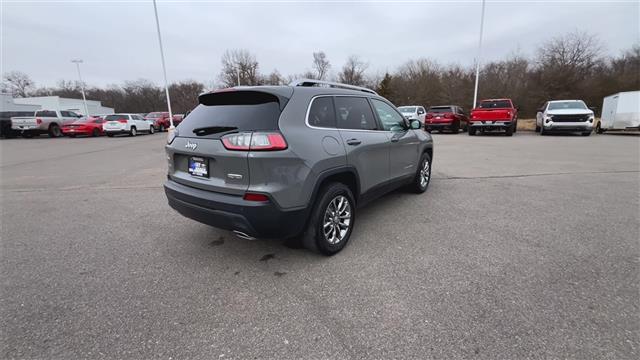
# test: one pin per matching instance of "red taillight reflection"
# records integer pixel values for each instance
(448, 116)
(38, 121)
(255, 197)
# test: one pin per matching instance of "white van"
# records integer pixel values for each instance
(620, 111)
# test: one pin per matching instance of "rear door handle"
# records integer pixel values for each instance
(354, 142)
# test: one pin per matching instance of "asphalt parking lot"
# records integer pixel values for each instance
(523, 247)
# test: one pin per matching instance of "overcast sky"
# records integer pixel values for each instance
(117, 39)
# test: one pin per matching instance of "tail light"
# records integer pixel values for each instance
(255, 197)
(122, 121)
(257, 141)
(448, 116)
(38, 121)
(429, 116)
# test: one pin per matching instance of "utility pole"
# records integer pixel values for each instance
(84, 99)
(164, 69)
(475, 92)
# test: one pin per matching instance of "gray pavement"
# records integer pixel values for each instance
(523, 247)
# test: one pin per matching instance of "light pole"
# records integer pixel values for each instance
(164, 69)
(238, 71)
(84, 99)
(475, 91)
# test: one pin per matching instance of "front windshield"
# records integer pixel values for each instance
(561, 105)
(407, 109)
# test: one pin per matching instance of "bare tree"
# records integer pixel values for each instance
(184, 95)
(321, 65)
(275, 78)
(353, 71)
(240, 64)
(17, 84)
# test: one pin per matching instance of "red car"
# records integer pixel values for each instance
(494, 114)
(160, 120)
(446, 117)
(91, 126)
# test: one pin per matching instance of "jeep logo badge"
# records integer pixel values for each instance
(190, 145)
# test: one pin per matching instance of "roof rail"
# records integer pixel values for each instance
(321, 83)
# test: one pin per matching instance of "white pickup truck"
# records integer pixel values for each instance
(44, 121)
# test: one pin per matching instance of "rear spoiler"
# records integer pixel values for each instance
(250, 95)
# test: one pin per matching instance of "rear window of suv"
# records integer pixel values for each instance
(440, 109)
(234, 111)
(116, 117)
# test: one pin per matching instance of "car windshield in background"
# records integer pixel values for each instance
(567, 105)
(46, 113)
(406, 109)
(495, 104)
(154, 115)
(115, 118)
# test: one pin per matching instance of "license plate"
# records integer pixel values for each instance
(198, 167)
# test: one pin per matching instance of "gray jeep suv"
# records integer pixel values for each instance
(292, 161)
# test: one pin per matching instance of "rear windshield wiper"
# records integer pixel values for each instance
(203, 131)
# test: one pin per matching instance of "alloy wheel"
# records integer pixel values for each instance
(337, 220)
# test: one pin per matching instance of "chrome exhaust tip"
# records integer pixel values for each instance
(242, 235)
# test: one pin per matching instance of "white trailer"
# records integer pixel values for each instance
(620, 111)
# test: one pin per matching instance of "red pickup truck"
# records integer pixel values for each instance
(494, 114)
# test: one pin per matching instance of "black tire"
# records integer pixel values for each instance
(509, 130)
(472, 131)
(586, 133)
(537, 128)
(465, 128)
(133, 131)
(72, 135)
(95, 133)
(152, 130)
(542, 132)
(455, 128)
(599, 129)
(27, 135)
(515, 127)
(54, 131)
(314, 237)
(109, 135)
(418, 185)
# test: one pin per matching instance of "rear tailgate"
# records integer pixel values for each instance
(198, 157)
(490, 114)
(23, 122)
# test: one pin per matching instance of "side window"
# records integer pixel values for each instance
(354, 113)
(65, 114)
(137, 117)
(391, 120)
(322, 113)
(420, 110)
(46, 113)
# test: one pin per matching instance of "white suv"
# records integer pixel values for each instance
(130, 124)
(565, 116)
(413, 112)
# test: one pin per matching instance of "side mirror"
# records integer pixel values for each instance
(415, 124)
(593, 108)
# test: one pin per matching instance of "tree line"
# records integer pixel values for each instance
(571, 66)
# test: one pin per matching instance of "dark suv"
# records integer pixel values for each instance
(292, 161)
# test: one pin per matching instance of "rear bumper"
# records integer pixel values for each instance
(490, 124)
(116, 132)
(439, 125)
(229, 212)
(75, 132)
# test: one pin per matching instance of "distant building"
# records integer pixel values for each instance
(57, 103)
(7, 104)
